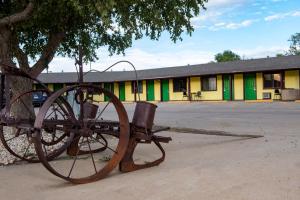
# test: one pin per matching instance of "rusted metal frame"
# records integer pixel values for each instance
(128, 165)
(141, 132)
(2, 91)
(123, 126)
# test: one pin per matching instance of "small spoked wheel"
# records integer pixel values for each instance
(97, 128)
(17, 137)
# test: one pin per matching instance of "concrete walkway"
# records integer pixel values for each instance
(196, 166)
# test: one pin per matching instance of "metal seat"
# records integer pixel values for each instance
(141, 132)
(277, 94)
(198, 95)
(184, 94)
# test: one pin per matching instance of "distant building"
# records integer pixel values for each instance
(255, 79)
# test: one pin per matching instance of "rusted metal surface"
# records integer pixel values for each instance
(60, 132)
(143, 116)
(141, 132)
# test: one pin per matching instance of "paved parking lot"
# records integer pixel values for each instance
(196, 166)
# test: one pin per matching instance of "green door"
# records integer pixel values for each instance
(57, 86)
(250, 86)
(109, 87)
(165, 90)
(150, 90)
(227, 87)
(122, 91)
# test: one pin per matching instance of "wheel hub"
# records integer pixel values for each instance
(85, 132)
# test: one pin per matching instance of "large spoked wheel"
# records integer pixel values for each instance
(17, 136)
(99, 132)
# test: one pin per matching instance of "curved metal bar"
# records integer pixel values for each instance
(121, 61)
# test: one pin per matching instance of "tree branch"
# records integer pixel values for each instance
(19, 53)
(47, 54)
(18, 17)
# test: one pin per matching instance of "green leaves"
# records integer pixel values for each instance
(295, 44)
(227, 56)
(96, 23)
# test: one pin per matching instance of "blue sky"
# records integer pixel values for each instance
(252, 29)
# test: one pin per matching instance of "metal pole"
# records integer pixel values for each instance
(81, 95)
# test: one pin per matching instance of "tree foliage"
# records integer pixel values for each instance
(50, 27)
(295, 44)
(227, 56)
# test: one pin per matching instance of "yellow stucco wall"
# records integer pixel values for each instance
(259, 87)
(98, 97)
(116, 89)
(213, 95)
(238, 84)
(195, 84)
(143, 95)
(50, 86)
(129, 96)
(157, 92)
(292, 79)
(176, 96)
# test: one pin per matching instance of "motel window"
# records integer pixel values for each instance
(209, 83)
(179, 84)
(273, 80)
(138, 89)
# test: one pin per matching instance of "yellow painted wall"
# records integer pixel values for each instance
(143, 95)
(176, 96)
(129, 96)
(213, 95)
(157, 92)
(98, 97)
(292, 79)
(259, 87)
(116, 89)
(195, 84)
(50, 86)
(238, 84)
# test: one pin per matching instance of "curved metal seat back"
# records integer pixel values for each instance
(144, 115)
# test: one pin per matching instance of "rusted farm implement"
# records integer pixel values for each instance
(69, 133)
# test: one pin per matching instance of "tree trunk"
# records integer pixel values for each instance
(23, 108)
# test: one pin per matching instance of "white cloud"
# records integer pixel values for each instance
(282, 15)
(147, 60)
(217, 12)
(231, 25)
(206, 15)
(261, 51)
(222, 3)
(140, 58)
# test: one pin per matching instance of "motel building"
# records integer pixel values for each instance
(265, 79)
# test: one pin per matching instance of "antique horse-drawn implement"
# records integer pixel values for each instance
(76, 135)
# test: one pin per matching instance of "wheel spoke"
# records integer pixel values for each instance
(97, 140)
(95, 120)
(92, 155)
(11, 138)
(75, 159)
(26, 150)
(49, 114)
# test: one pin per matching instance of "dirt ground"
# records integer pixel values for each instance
(196, 166)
